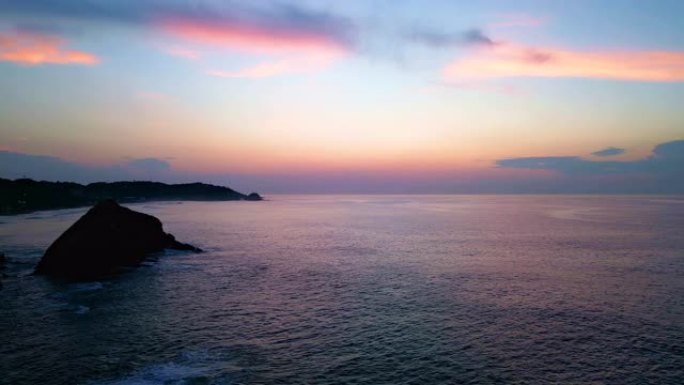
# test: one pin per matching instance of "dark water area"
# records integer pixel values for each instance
(363, 290)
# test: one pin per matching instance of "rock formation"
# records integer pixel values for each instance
(254, 197)
(105, 239)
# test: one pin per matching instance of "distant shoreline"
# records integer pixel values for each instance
(22, 196)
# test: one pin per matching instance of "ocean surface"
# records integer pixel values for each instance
(363, 290)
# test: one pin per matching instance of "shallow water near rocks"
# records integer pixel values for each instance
(363, 290)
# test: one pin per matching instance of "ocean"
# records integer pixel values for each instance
(377, 289)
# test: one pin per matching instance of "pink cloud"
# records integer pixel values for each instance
(288, 51)
(251, 38)
(36, 49)
(508, 60)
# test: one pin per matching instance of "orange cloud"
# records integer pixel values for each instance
(510, 60)
(36, 49)
(253, 39)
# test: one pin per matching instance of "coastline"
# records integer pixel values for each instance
(23, 196)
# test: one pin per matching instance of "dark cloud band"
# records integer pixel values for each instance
(284, 18)
(610, 151)
(663, 169)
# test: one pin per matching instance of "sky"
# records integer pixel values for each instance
(384, 96)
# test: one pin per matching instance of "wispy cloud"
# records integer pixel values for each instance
(263, 70)
(289, 48)
(508, 60)
(250, 25)
(514, 20)
(19, 165)
(439, 39)
(609, 151)
(279, 32)
(149, 165)
(35, 49)
(182, 52)
(292, 64)
(502, 89)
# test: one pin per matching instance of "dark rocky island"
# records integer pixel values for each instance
(26, 195)
(107, 238)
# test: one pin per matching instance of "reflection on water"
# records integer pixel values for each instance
(364, 289)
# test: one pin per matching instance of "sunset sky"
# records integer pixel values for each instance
(347, 96)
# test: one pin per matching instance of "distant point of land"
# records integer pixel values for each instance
(26, 195)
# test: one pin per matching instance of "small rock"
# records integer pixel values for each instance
(254, 197)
